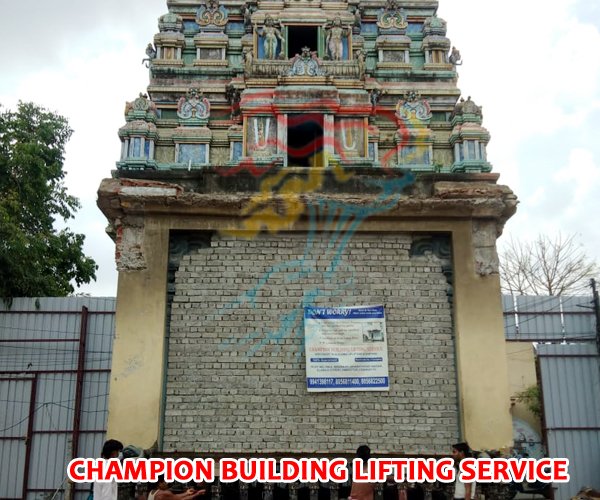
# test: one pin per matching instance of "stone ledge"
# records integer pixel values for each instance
(430, 197)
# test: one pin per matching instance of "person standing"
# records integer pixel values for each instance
(462, 491)
(108, 490)
(362, 491)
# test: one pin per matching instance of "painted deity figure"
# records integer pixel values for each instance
(261, 126)
(271, 36)
(374, 97)
(248, 58)
(334, 41)
(359, 56)
(261, 143)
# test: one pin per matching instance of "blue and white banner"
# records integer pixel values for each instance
(346, 349)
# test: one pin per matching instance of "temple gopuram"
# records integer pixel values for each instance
(291, 157)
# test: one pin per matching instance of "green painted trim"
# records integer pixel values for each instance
(321, 50)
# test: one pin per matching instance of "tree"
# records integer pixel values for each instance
(532, 398)
(35, 258)
(546, 266)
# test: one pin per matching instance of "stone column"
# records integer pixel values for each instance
(480, 347)
(138, 347)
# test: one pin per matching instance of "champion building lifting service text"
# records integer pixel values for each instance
(311, 470)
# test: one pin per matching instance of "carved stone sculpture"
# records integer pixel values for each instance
(359, 56)
(271, 36)
(306, 64)
(248, 58)
(334, 41)
(374, 97)
(233, 96)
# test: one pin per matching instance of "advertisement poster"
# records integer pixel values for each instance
(346, 349)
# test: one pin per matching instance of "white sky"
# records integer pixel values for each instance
(533, 65)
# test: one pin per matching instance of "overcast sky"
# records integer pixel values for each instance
(533, 65)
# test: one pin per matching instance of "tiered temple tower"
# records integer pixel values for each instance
(291, 153)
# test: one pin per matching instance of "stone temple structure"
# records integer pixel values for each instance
(294, 153)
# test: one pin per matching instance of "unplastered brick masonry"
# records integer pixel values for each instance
(236, 370)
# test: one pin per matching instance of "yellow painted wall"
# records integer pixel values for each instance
(520, 359)
(137, 367)
(481, 354)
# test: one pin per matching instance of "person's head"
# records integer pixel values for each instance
(363, 452)
(111, 449)
(460, 451)
(161, 483)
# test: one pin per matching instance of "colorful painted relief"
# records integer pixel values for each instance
(194, 105)
(261, 133)
(350, 137)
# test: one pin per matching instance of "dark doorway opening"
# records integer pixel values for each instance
(300, 37)
(305, 140)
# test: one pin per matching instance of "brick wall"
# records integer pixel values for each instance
(236, 376)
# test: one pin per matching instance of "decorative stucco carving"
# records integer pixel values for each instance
(436, 248)
(434, 26)
(467, 109)
(140, 107)
(211, 13)
(306, 64)
(413, 106)
(170, 23)
(193, 105)
(485, 234)
(392, 17)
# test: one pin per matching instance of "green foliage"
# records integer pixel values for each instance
(35, 258)
(532, 398)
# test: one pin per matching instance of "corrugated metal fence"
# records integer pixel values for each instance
(55, 357)
(548, 319)
(570, 379)
(564, 331)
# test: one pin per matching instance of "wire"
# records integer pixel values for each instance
(53, 330)
(24, 418)
(51, 349)
(70, 400)
(58, 403)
